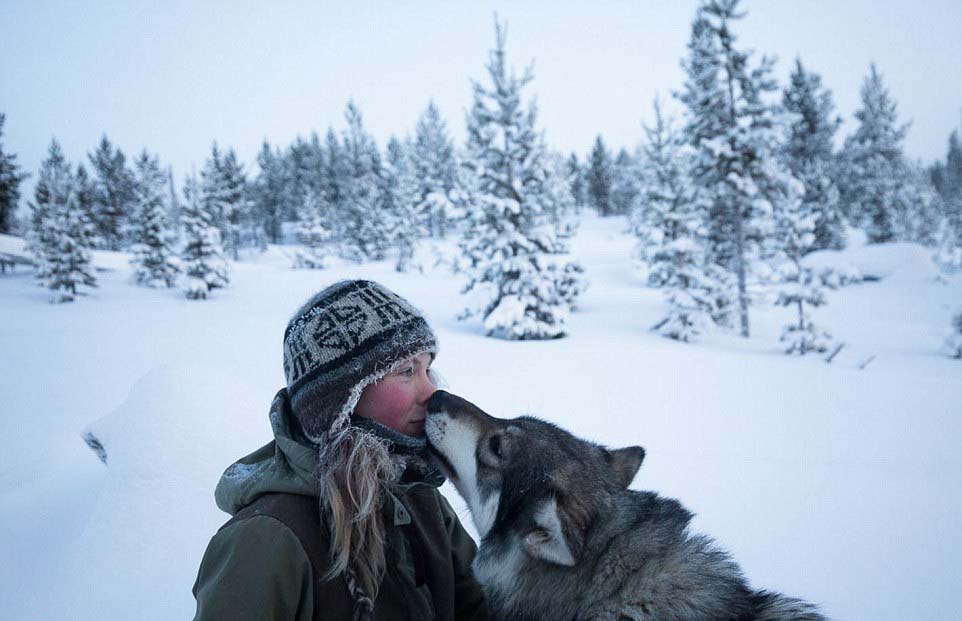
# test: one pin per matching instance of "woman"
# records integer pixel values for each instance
(339, 517)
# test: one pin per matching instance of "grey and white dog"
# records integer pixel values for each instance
(562, 538)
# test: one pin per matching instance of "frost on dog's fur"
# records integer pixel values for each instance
(563, 538)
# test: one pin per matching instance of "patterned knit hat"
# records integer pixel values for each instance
(340, 341)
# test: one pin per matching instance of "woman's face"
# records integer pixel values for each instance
(398, 400)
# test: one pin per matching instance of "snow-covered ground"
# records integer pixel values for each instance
(830, 482)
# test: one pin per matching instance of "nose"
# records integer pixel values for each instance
(426, 388)
(439, 401)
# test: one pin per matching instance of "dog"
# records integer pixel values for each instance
(562, 538)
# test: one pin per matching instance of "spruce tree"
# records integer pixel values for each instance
(224, 195)
(874, 172)
(271, 191)
(736, 134)
(522, 288)
(599, 177)
(667, 202)
(60, 231)
(154, 257)
(173, 205)
(808, 153)
(235, 208)
(10, 178)
(561, 208)
(365, 234)
(625, 174)
(800, 286)
(576, 178)
(948, 182)
(953, 341)
(952, 188)
(921, 209)
(401, 194)
(202, 256)
(86, 191)
(114, 194)
(435, 167)
(668, 220)
(315, 232)
(337, 178)
(298, 165)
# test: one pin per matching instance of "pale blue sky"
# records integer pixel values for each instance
(174, 76)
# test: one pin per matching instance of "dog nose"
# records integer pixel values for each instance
(439, 401)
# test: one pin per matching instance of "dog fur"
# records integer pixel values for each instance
(562, 538)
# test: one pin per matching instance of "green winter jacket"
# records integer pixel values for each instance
(257, 567)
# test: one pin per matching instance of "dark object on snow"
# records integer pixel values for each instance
(96, 446)
(834, 353)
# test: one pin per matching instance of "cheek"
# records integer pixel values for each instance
(388, 403)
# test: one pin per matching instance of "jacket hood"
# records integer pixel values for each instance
(282, 465)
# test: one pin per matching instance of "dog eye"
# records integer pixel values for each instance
(494, 444)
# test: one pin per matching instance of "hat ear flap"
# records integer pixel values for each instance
(625, 462)
(547, 541)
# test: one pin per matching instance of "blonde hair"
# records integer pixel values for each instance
(352, 468)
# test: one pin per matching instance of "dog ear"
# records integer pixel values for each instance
(547, 542)
(625, 462)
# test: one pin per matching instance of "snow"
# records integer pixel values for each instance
(825, 481)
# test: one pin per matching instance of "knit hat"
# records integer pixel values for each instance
(340, 341)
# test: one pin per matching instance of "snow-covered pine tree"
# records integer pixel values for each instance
(235, 207)
(668, 219)
(625, 173)
(271, 191)
(436, 169)
(224, 195)
(953, 342)
(874, 170)
(562, 213)
(154, 258)
(69, 264)
(808, 153)
(115, 200)
(948, 181)
(315, 232)
(10, 178)
(737, 135)
(202, 256)
(667, 201)
(60, 230)
(173, 206)
(365, 233)
(211, 186)
(561, 207)
(599, 176)
(299, 174)
(336, 179)
(800, 286)
(576, 179)
(920, 209)
(952, 187)
(401, 193)
(510, 243)
(86, 191)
